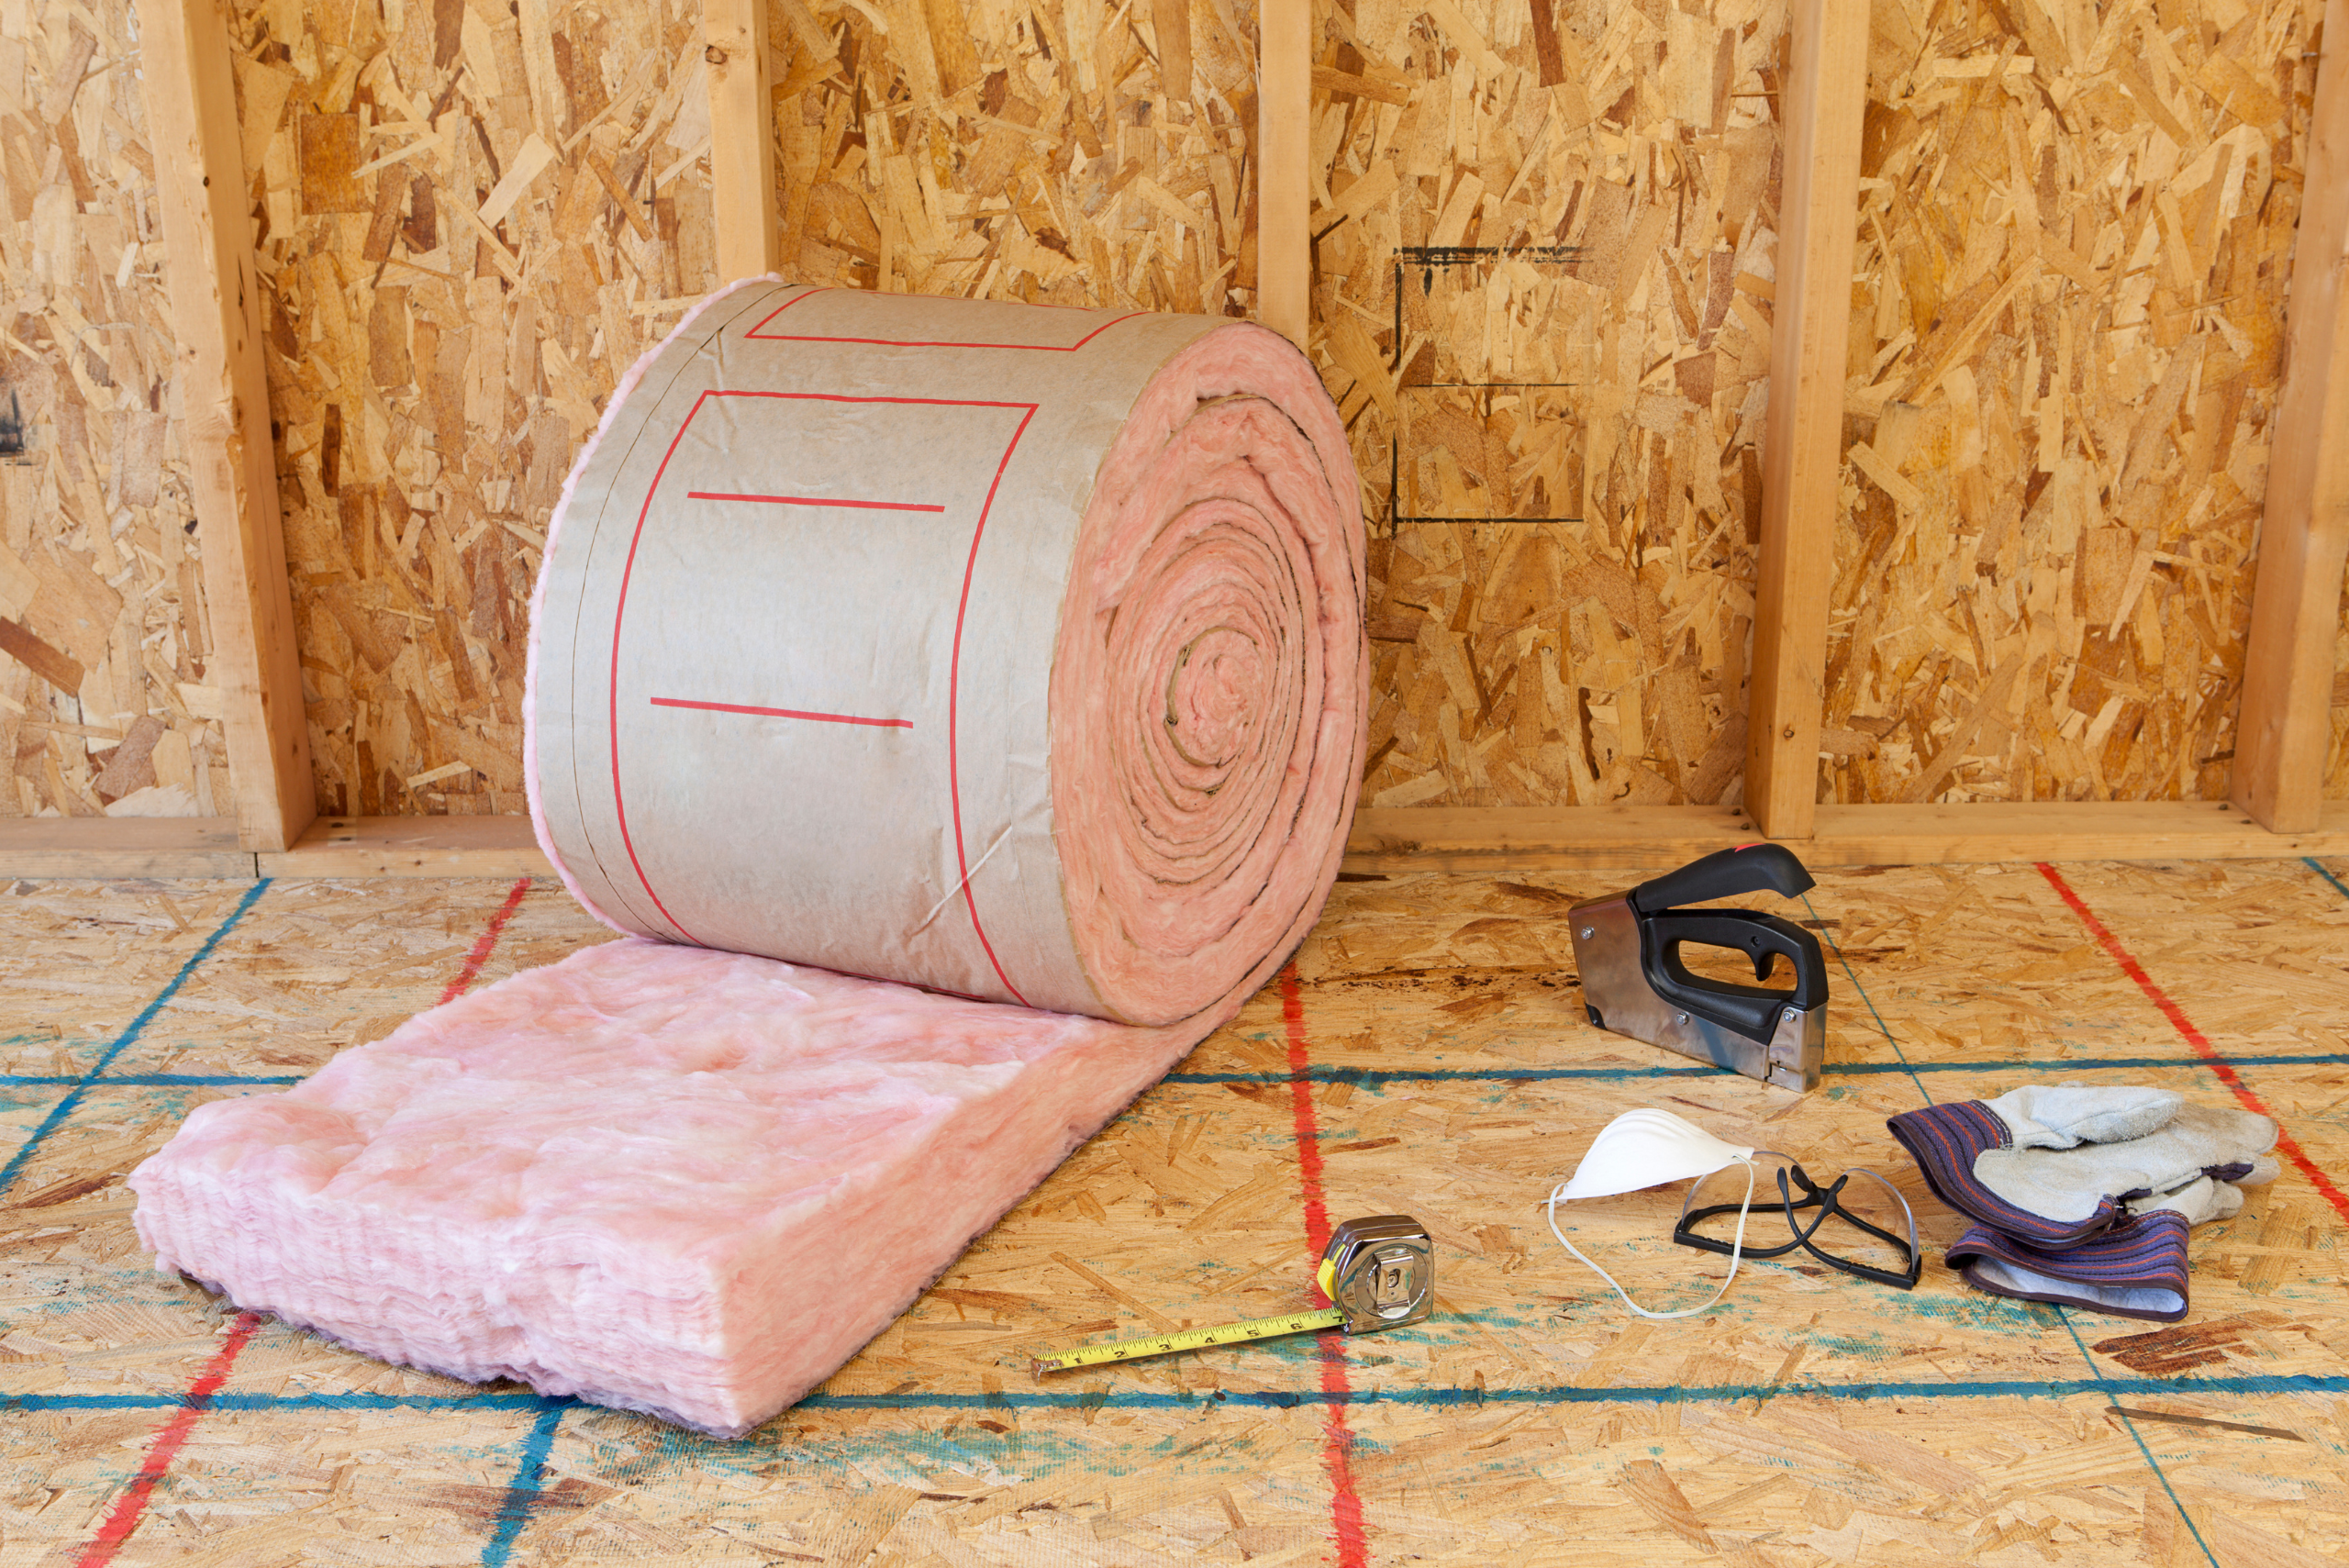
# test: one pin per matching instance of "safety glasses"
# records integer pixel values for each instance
(1805, 1217)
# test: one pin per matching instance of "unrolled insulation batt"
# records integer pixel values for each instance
(962, 702)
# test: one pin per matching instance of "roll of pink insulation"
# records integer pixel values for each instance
(1012, 651)
(964, 703)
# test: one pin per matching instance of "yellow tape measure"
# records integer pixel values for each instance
(1192, 1340)
(1380, 1272)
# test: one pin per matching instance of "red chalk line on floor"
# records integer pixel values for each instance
(131, 1506)
(2224, 1069)
(1338, 1438)
(486, 943)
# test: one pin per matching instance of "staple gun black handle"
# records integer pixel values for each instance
(1750, 868)
(1751, 1010)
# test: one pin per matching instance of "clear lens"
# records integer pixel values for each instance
(1766, 1227)
(1868, 1227)
(1863, 1224)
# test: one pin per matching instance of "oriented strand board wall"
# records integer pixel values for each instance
(476, 217)
(2075, 230)
(2065, 349)
(103, 638)
(1070, 152)
(1600, 658)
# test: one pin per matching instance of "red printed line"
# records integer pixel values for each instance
(2284, 1143)
(783, 713)
(612, 688)
(486, 943)
(961, 613)
(131, 1506)
(778, 310)
(123, 1518)
(814, 501)
(1337, 1437)
(759, 334)
(954, 703)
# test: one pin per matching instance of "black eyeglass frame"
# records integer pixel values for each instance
(1827, 1201)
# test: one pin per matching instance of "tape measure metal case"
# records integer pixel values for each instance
(1378, 1273)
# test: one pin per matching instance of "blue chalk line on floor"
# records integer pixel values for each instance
(1373, 1078)
(550, 1410)
(523, 1492)
(2129, 1422)
(265, 1402)
(513, 1512)
(123, 1041)
(142, 1080)
(1370, 1078)
(1902, 1064)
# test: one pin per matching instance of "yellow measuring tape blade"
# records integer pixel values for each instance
(1191, 1340)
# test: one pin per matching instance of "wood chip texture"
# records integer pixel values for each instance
(474, 217)
(2075, 248)
(1075, 154)
(2067, 339)
(103, 706)
(1560, 443)
(1432, 1057)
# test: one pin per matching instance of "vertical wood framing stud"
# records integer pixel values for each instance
(742, 139)
(1802, 458)
(1284, 168)
(2283, 728)
(217, 298)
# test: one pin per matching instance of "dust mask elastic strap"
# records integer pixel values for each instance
(1646, 1147)
(1737, 1246)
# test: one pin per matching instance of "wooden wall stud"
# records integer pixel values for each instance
(1284, 179)
(1802, 456)
(742, 139)
(224, 397)
(2283, 728)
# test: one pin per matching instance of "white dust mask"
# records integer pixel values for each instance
(1646, 1149)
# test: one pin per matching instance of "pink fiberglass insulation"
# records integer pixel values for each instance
(660, 1178)
(1010, 653)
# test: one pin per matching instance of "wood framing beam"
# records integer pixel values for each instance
(122, 846)
(413, 845)
(1284, 168)
(207, 847)
(1464, 839)
(223, 400)
(742, 139)
(1802, 442)
(2283, 728)
(1533, 839)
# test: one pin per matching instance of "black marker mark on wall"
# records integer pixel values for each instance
(1427, 259)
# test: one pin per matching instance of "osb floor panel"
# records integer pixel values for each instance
(1428, 1056)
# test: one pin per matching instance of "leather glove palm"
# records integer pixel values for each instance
(2055, 1166)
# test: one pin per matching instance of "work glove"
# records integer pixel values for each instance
(2053, 1167)
(2137, 1269)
